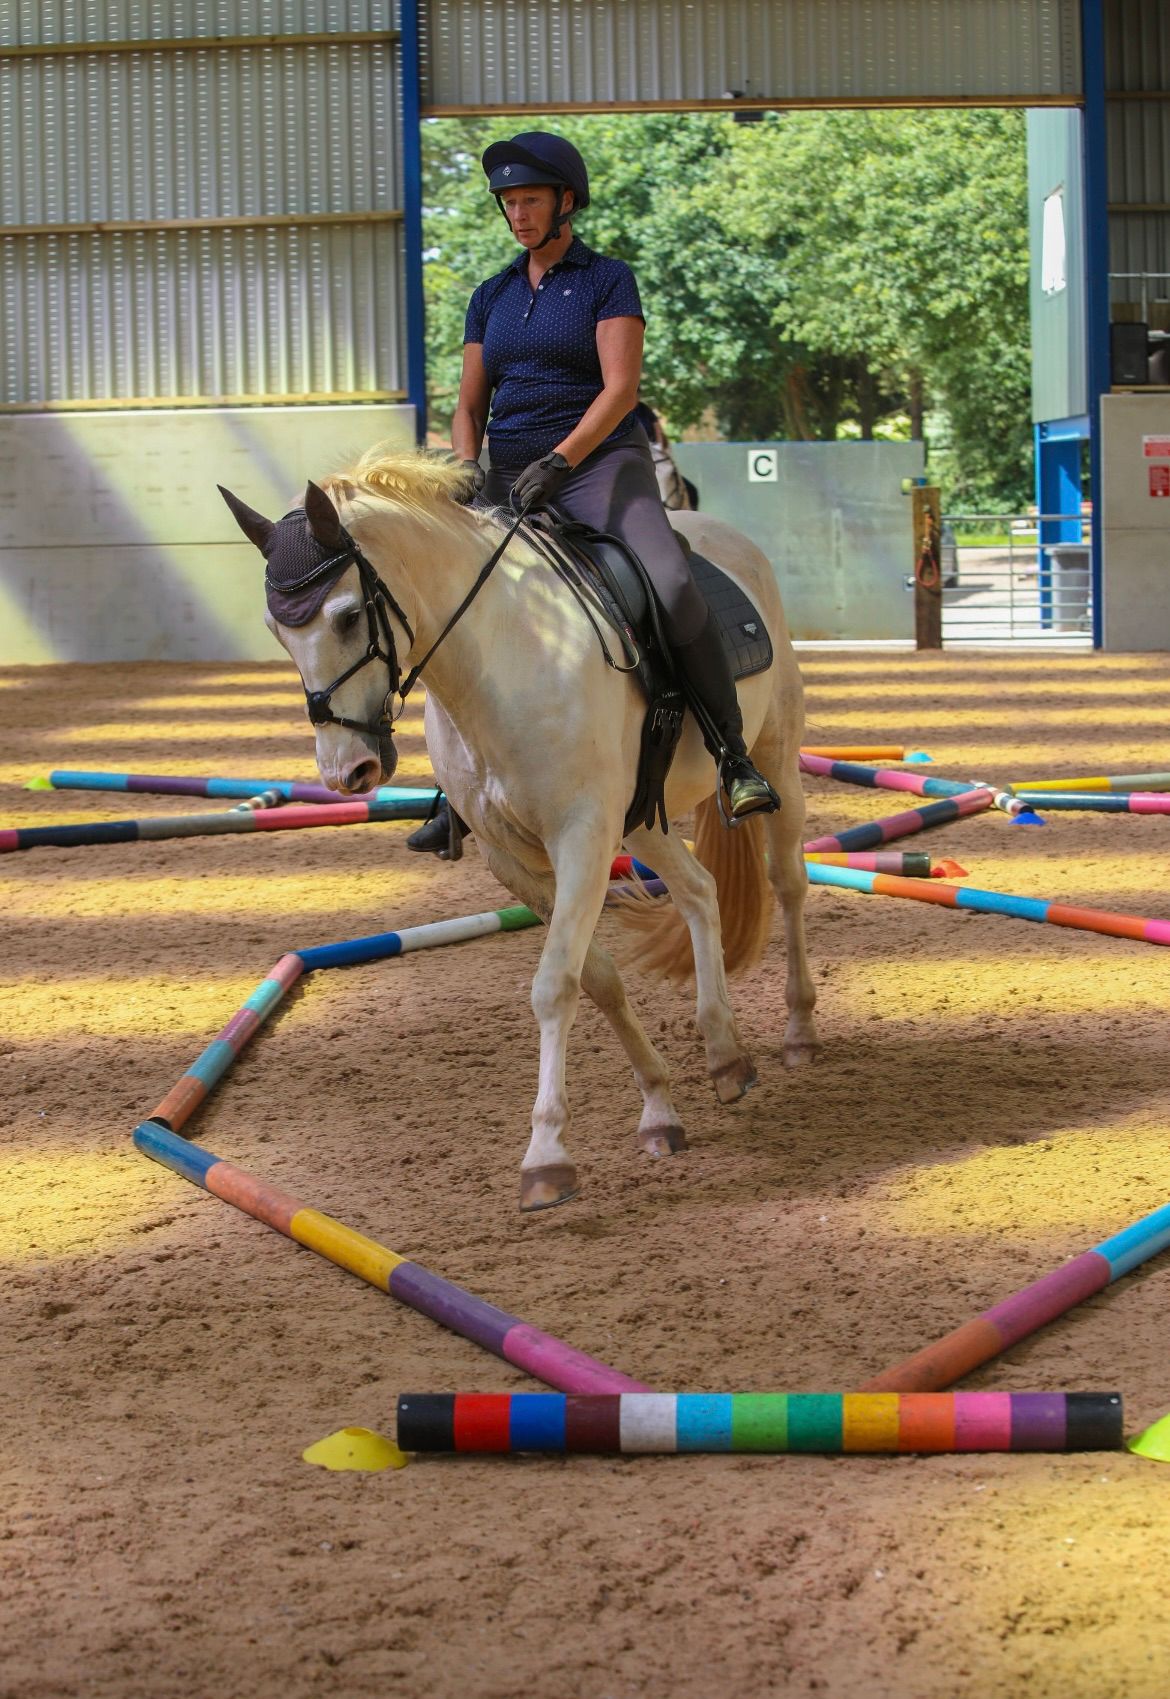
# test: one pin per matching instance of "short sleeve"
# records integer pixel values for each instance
(476, 323)
(618, 296)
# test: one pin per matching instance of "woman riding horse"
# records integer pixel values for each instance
(554, 384)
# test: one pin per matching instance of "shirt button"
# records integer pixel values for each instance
(539, 286)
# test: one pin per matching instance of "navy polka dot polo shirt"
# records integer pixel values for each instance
(540, 348)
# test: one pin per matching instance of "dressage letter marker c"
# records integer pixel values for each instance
(763, 466)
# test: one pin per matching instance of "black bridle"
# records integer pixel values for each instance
(379, 604)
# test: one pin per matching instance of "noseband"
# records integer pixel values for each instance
(380, 645)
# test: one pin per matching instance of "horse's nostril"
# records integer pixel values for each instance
(363, 777)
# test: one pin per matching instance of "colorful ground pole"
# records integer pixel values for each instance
(1096, 802)
(876, 832)
(543, 1356)
(161, 784)
(851, 774)
(1006, 1323)
(547, 1358)
(906, 864)
(864, 752)
(994, 902)
(856, 1422)
(357, 812)
(1118, 782)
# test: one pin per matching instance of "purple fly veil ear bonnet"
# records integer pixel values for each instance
(306, 553)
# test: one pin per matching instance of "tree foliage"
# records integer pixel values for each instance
(812, 274)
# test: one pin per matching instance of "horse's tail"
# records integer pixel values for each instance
(738, 861)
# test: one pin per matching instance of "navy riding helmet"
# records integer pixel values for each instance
(535, 157)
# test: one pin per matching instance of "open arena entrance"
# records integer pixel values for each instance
(980, 1149)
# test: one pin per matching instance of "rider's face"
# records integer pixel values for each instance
(530, 212)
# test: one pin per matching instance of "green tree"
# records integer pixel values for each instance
(813, 272)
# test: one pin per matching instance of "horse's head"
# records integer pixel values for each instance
(342, 626)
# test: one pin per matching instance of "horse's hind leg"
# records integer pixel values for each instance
(786, 870)
(692, 889)
(659, 1131)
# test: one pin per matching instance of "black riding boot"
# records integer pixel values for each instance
(704, 665)
(442, 834)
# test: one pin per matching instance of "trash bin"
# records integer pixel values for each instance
(1069, 577)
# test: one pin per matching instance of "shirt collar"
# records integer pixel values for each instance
(575, 254)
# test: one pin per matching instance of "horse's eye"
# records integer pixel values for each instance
(350, 618)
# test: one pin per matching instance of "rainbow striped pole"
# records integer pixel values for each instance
(1005, 1324)
(1118, 782)
(877, 832)
(236, 789)
(818, 766)
(542, 1355)
(1097, 802)
(995, 902)
(209, 1068)
(907, 864)
(357, 812)
(671, 1422)
(864, 752)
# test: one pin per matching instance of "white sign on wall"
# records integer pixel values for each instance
(763, 466)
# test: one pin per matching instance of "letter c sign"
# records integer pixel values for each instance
(763, 466)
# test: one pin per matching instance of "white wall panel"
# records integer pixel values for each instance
(504, 54)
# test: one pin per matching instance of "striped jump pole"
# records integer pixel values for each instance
(1006, 1323)
(295, 817)
(529, 1348)
(905, 864)
(670, 1422)
(877, 832)
(818, 766)
(1096, 802)
(240, 790)
(995, 902)
(209, 1068)
(864, 752)
(1117, 782)
(547, 1358)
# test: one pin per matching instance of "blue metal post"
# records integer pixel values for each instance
(410, 61)
(1058, 491)
(1097, 272)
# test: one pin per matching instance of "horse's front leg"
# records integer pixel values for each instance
(581, 867)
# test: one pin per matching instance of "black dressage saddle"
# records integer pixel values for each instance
(614, 587)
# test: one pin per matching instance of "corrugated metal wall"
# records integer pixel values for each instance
(1137, 82)
(182, 222)
(562, 54)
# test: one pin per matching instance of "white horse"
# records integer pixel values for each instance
(535, 741)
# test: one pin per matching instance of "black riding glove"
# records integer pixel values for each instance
(477, 475)
(539, 483)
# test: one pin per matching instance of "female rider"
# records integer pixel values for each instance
(552, 359)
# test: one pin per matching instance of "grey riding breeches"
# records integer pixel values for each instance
(615, 489)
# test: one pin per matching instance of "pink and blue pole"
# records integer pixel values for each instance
(996, 1330)
(242, 790)
(154, 828)
(883, 778)
(1096, 802)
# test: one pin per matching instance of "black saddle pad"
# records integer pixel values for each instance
(745, 636)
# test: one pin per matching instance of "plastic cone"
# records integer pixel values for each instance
(1154, 1442)
(356, 1448)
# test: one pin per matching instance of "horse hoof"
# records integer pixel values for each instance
(545, 1188)
(800, 1055)
(733, 1079)
(666, 1140)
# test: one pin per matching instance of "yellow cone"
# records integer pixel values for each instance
(356, 1448)
(39, 785)
(1155, 1442)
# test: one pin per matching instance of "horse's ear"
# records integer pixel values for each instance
(324, 522)
(255, 527)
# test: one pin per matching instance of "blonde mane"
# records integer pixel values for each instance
(417, 484)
